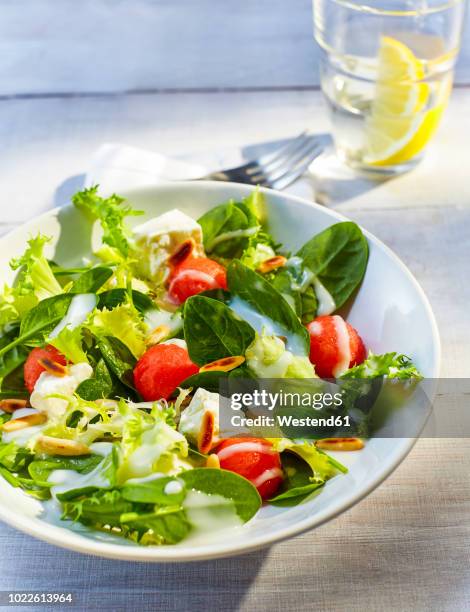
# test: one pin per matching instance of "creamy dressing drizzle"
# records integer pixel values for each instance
(196, 275)
(80, 307)
(326, 303)
(21, 412)
(262, 323)
(101, 448)
(241, 233)
(22, 436)
(344, 349)
(243, 447)
(209, 514)
(65, 480)
(149, 478)
(267, 475)
(173, 487)
(156, 318)
(177, 342)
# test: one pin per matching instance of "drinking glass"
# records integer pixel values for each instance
(386, 73)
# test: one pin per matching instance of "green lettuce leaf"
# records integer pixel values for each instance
(149, 444)
(122, 322)
(390, 365)
(70, 343)
(110, 212)
(36, 280)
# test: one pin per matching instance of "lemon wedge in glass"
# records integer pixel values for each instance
(402, 120)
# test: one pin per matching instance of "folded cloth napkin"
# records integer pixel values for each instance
(117, 167)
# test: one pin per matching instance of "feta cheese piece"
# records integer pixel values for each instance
(194, 418)
(158, 239)
(48, 385)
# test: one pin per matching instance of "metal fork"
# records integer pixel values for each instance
(277, 169)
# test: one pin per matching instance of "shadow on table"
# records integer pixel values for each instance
(333, 182)
(201, 586)
(68, 188)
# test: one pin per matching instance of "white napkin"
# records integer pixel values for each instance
(117, 167)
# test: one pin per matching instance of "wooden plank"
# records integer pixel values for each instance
(43, 143)
(102, 46)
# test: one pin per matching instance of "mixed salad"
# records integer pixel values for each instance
(110, 371)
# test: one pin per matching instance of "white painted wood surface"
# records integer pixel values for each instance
(50, 46)
(407, 546)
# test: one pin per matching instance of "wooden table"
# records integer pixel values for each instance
(187, 78)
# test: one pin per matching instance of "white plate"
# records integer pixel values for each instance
(390, 311)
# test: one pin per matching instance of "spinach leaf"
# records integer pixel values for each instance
(227, 228)
(39, 322)
(338, 258)
(213, 331)
(162, 525)
(14, 458)
(118, 358)
(207, 380)
(298, 481)
(40, 470)
(283, 281)
(263, 306)
(143, 523)
(11, 361)
(227, 484)
(101, 477)
(97, 387)
(153, 492)
(91, 280)
(99, 509)
(113, 297)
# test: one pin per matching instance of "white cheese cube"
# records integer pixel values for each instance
(158, 239)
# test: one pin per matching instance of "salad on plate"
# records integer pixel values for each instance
(110, 371)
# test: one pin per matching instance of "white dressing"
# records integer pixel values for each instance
(68, 480)
(177, 342)
(173, 487)
(262, 323)
(326, 303)
(156, 318)
(241, 233)
(22, 437)
(21, 412)
(344, 349)
(267, 475)
(209, 514)
(149, 478)
(80, 307)
(101, 448)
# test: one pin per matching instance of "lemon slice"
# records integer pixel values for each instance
(399, 125)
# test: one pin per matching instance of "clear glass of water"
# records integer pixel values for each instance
(386, 72)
